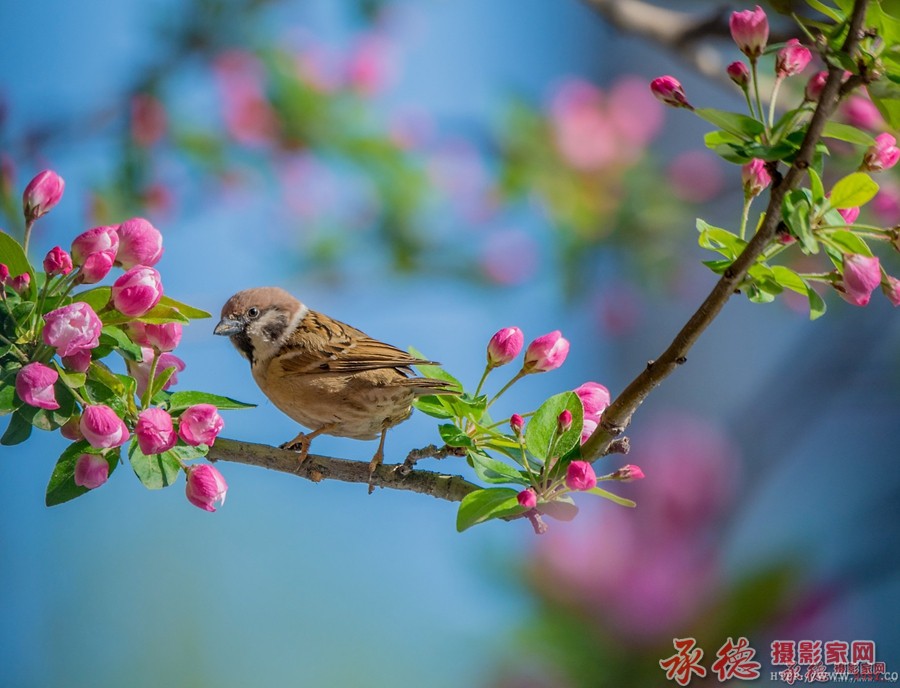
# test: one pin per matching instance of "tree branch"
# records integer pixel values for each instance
(317, 468)
(618, 415)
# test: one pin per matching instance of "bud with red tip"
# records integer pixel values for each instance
(20, 283)
(140, 243)
(564, 421)
(102, 428)
(739, 73)
(849, 214)
(580, 476)
(42, 193)
(628, 473)
(669, 90)
(815, 85)
(545, 353)
(504, 346)
(517, 424)
(57, 262)
(755, 177)
(200, 424)
(205, 486)
(792, 59)
(883, 155)
(527, 498)
(750, 30)
(155, 431)
(137, 291)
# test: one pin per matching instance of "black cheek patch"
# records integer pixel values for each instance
(243, 343)
(274, 330)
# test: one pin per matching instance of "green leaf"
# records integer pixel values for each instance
(184, 309)
(156, 471)
(435, 372)
(720, 240)
(789, 279)
(845, 132)
(71, 379)
(47, 419)
(816, 304)
(885, 93)
(850, 242)
(493, 471)
(62, 487)
(13, 256)
(540, 433)
(18, 430)
(483, 505)
(829, 12)
(156, 315)
(795, 210)
(467, 406)
(7, 396)
(184, 399)
(854, 190)
(187, 453)
(454, 437)
(96, 298)
(732, 122)
(612, 497)
(116, 338)
(815, 185)
(434, 406)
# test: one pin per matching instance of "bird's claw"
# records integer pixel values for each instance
(299, 444)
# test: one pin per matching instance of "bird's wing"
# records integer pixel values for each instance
(323, 345)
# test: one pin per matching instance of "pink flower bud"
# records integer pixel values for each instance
(155, 431)
(628, 473)
(755, 177)
(587, 429)
(4, 274)
(750, 30)
(42, 193)
(34, 385)
(91, 471)
(739, 73)
(200, 424)
(669, 90)
(517, 423)
(205, 486)
(137, 291)
(580, 476)
(163, 337)
(891, 288)
(96, 266)
(71, 430)
(546, 353)
(862, 274)
(78, 362)
(95, 240)
(527, 498)
(20, 283)
(849, 214)
(594, 398)
(102, 428)
(861, 112)
(137, 332)
(504, 346)
(57, 262)
(883, 155)
(792, 59)
(564, 421)
(72, 329)
(140, 243)
(140, 371)
(815, 85)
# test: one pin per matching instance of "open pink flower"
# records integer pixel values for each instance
(155, 431)
(42, 193)
(545, 353)
(102, 428)
(72, 329)
(200, 424)
(91, 471)
(137, 291)
(34, 385)
(140, 243)
(205, 486)
(504, 346)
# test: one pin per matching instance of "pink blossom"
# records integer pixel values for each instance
(815, 85)
(249, 117)
(102, 428)
(164, 336)
(34, 385)
(755, 177)
(205, 486)
(527, 498)
(695, 176)
(71, 429)
(517, 424)
(594, 398)
(792, 59)
(104, 239)
(148, 120)
(140, 371)
(545, 353)
(739, 73)
(635, 115)
(750, 30)
(72, 329)
(91, 471)
(886, 205)
(137, 291)
(890, 286)
(628, 473)
(78, 362)
(587, 429)
(155, 431)
(883, 155)
(849, 214)
(564, 421)
(57, 262)
(509, 256)
(96, 266)
(504, 346)
(20, 283)
(42, 193)
(4, 274)
(861, 112)
(140, 243)
(200, 424)
(369, 68)
(669, 90)
(580, 476)
(582, 133)
(861, 275)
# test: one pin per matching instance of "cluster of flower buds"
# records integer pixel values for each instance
(89, 404)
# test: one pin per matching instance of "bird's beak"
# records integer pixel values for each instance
(228, 327)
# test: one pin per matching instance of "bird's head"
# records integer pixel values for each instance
(259, 320)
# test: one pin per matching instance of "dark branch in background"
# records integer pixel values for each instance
(618, 416)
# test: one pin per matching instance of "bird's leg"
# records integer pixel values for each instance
(377, 459)
(302, 441)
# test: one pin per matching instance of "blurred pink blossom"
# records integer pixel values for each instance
(859, 111)
(634, 113)
(886, 203)
(584, 136)
(148, 120)
(458, 169)
(370, 67)
(249, 117)
(317, 67)
(619, 308)
(695, 176)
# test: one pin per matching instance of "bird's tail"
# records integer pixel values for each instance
(425, 386)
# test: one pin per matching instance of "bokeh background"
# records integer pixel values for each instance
(431, 172)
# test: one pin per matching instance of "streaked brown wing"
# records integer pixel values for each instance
(324, 345)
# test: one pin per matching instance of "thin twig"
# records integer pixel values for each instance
(432, 451)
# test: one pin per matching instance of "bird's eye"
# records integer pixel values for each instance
(253, 313)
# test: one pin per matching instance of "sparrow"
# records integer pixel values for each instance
(324, 374)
